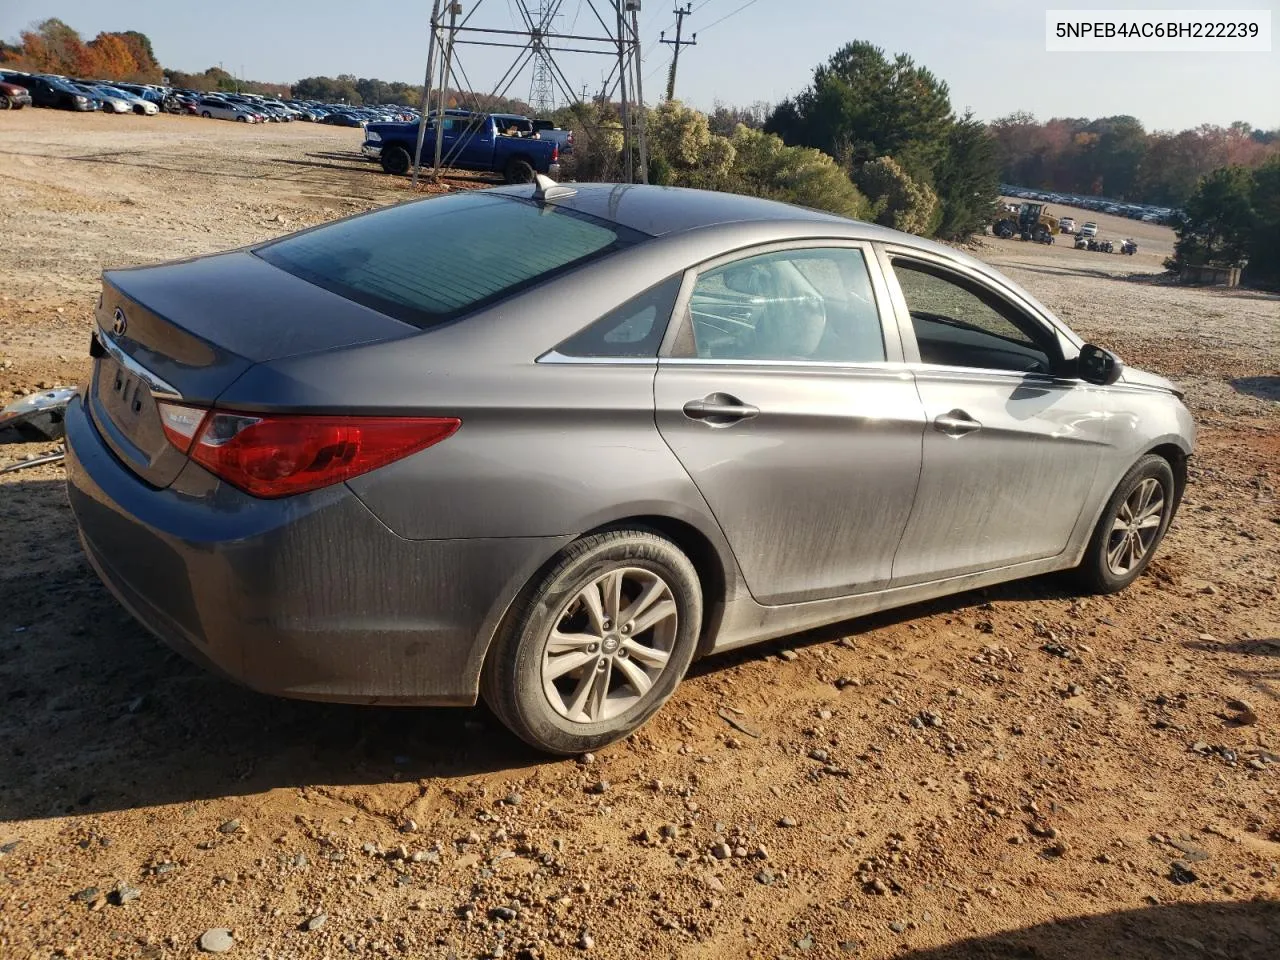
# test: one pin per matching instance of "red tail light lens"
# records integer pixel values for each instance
(555, 153)
(277, 456)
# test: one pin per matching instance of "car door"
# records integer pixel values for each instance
(1012, 447)
(473, 144)
(782, 392)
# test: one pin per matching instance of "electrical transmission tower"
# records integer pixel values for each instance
(677, 43)
(534, 44)
(542, 94)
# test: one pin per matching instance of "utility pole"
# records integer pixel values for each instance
(445, 69)
(432, 37)
(634, 7)
(677, 43)
(628, 162)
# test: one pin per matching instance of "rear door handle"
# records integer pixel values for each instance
(956, 423)
(720, 409)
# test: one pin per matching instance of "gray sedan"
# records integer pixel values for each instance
(546, 445)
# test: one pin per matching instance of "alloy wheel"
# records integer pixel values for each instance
(609, 645)
(1135, 527)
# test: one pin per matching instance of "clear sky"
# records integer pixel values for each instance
(990, 52)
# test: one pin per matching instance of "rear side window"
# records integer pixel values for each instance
(633, 330)
(434, 260)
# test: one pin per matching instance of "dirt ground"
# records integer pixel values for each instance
(932, 783)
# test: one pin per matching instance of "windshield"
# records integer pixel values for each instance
(433, 260)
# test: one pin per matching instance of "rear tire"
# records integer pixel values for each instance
(1131, 527)
(396, 160)
(6, 103)
(566, 673)
(519, 171)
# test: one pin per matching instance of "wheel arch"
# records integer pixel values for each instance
(1177, 457)
(715, 565)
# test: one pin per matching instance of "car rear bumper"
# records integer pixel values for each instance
(553, 171)
(309, 596)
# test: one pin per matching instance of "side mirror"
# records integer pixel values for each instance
(1096, 365)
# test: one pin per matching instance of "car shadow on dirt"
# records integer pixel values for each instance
(1257, 666)
(1264, 388)
(97, 715)
(1048, 587)
(1242, 931)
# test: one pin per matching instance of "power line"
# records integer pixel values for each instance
(728, 15)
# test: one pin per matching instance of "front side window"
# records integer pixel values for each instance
(428, 262)
(811, 304)
(960, 323)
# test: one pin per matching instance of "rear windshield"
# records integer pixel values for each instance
(431, 261)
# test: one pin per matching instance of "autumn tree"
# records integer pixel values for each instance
(112, 59)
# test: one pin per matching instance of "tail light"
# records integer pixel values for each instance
(277, 456)
(555, 153)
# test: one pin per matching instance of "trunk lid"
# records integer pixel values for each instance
(186, 331)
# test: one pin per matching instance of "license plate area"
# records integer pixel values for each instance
(124, 408)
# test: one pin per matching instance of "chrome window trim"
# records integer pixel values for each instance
(555, 356)
(929, 371)
(158, 387)
(892, 368)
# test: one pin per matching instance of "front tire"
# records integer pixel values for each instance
(595, 645)
(1131, 527)
(396, 160)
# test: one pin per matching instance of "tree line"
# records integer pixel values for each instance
(1117, 158)
(54, 47)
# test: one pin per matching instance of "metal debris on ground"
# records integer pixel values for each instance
(34, 462)
(37, 416)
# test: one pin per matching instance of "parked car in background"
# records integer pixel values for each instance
(219, 109)
(150, 93)
(13, 96)
(471, 141)
(733, 420)
(138, 104)
(1090, 229)
(547, 130)
(54, 92)
(1067, 225)
(342, 118)
(108, 103)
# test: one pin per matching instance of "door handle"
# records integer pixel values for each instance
(720, 409)
(956, 423)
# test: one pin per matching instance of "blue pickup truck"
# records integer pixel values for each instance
(471, 141)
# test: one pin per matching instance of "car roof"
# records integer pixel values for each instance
(660, 211)
(668, 211)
